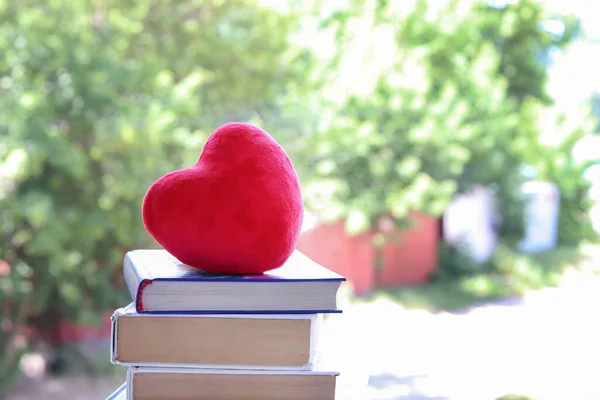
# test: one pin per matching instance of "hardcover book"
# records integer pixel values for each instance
(215, 341)
(159, 283)
(228, 384)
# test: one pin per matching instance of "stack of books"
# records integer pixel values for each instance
(189, 334)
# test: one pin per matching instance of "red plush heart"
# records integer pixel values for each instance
(239, 210)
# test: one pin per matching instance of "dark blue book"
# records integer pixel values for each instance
(120, 393)
(160, 284)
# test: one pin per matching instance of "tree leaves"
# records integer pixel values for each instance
(457, 104)
(97, 101)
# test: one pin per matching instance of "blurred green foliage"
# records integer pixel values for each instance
(508, 274)
(515, 397)
(98, 99)
(451, 94)
(14, 294)
(384, 106)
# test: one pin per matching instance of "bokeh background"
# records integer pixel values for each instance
(449, 153)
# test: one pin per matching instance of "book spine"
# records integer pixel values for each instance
(135, 282)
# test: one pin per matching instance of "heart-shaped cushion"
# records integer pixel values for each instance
(239, 210)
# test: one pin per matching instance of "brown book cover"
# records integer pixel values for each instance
(215, 341)
(205, 384)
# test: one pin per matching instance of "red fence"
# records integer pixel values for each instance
(409, 261)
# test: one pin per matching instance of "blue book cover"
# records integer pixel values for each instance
(119, 394)
(173, 287)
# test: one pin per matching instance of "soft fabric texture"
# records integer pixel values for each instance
(239, 210)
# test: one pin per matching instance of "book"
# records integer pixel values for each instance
(350, 384)
(145, 383)
(159, 283)
(120, 393)
(267, 341)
